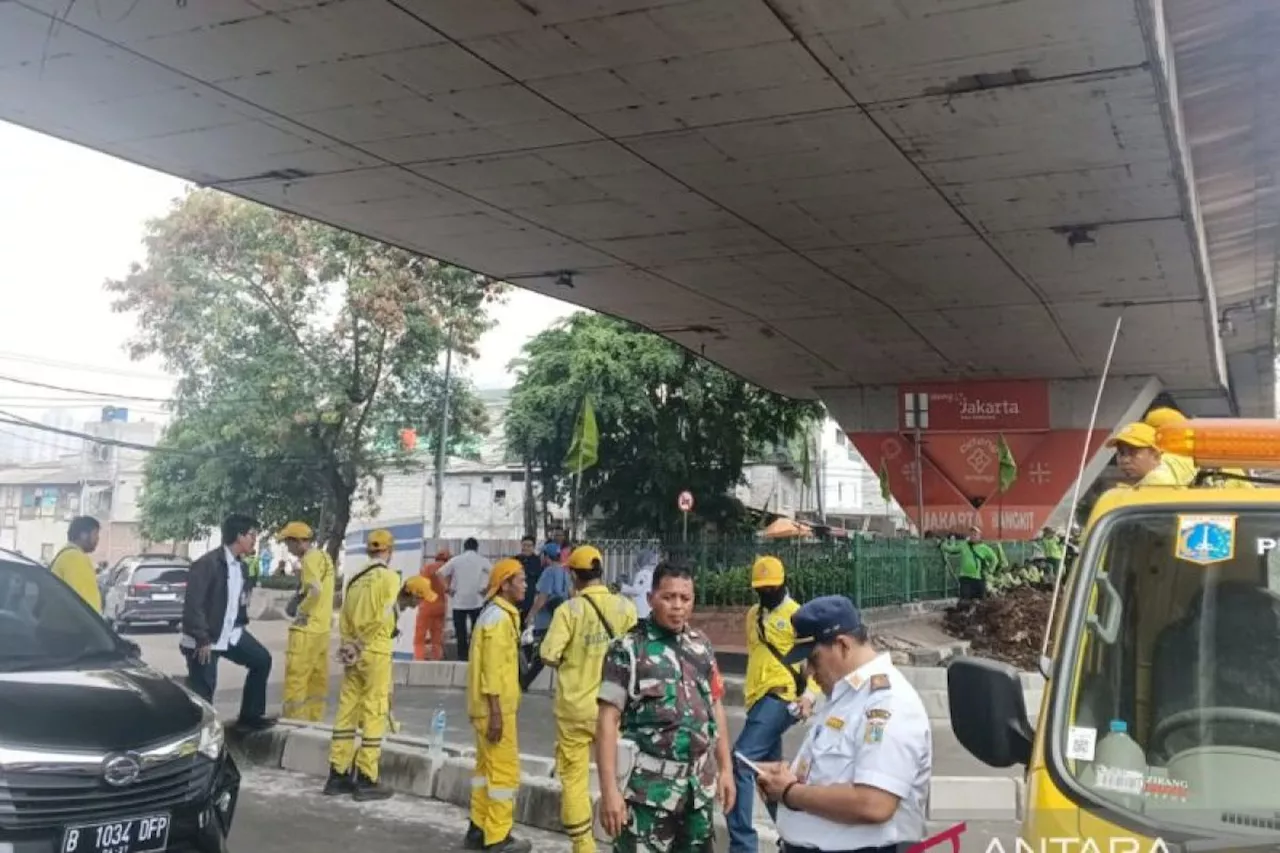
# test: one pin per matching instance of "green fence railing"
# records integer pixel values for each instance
(871, 572)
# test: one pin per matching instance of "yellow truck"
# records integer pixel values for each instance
(1160, 724)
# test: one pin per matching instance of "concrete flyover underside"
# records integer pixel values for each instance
(817, 194)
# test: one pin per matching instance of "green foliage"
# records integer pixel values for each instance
(301, 351)
(667, 421)
(285, 583)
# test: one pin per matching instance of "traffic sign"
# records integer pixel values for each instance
(685, 502)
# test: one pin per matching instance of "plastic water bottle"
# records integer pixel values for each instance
(439, 722)
(1119, 766)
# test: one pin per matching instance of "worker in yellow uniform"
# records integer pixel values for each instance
(306, 668)
(367, 625)
(579, 635)
(493, 697)
(1140, 460)
(1184, 466)
(776, 695)
(72, 564)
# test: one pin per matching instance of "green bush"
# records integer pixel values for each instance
(288, 583)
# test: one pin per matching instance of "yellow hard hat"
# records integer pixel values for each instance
(380, 540)
(503, 571)
(419, 586)
(767, 571)
(1163, 416)
(296, 530)
(1135, 435)
(583, 557)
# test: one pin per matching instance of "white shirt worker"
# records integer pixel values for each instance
(873, 731)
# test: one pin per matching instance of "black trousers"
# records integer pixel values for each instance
(202, 678)
(463, 622)
(972, 589)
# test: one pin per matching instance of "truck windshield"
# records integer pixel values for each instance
(1174, 683)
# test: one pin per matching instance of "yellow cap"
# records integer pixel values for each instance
(581, 558)
(296, 530)
(380, 540)
(1163, 416)
(503, 571)
(419, 586)
(767, 571)
(1135, 435)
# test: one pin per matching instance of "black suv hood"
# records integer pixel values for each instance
(119, 707)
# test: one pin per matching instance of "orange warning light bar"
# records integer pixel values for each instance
(1224, 442)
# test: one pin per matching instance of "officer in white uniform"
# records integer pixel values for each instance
(861, 779)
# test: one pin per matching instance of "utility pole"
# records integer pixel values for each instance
(437, 515)
(917, 416)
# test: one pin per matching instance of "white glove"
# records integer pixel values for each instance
(526, 639)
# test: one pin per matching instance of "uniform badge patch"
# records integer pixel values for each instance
(781, 624)
(835, 723)
(878, 682)
(875, 731)
(881, 714)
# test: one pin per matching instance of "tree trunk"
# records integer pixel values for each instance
(337, 533)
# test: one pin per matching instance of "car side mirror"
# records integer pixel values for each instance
(988, 711)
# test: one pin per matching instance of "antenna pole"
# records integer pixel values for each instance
(1075, 493)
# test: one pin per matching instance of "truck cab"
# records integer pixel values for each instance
(1160, 724)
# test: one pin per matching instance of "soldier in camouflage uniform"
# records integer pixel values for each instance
(661, 690)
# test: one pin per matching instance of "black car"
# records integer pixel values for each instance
(145, 589)
(99, 753)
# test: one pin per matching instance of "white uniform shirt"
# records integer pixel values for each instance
(230, 634)
(468, 577)
(874, 731)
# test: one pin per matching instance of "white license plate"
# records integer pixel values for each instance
(148, 834)
(164, 596)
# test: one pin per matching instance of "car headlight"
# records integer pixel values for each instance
(212, 736)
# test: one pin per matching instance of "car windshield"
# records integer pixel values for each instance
(1174, 708)
(43, 622)
(160, 574)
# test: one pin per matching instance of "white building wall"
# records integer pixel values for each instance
(850, 487)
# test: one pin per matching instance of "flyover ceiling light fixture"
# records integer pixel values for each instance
(564, 278)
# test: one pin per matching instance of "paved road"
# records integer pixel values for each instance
(413, 706)
(282, 811)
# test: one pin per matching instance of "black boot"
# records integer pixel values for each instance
(510, 844)
(474, 839)
(338, 783)
(367, 789)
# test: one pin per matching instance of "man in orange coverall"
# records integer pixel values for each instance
(431, 613)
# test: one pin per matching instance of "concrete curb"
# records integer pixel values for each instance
(407, 767)
(929, 681)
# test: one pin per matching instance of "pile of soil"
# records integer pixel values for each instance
(1009, 628)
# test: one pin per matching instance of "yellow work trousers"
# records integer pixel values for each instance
(364, 708)
(306, 675)
(496, 779)
(573, 766)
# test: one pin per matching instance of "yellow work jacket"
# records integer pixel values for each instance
(493, 664)
(369, 608)
(765, 674)
(317, 584)
(75, 569)
(576, 644)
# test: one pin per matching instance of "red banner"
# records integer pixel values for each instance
(1014, 405)
(960, 470)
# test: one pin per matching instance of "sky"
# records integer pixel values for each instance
(70, 218)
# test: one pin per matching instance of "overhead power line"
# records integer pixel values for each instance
(27, 358)
(84, 391)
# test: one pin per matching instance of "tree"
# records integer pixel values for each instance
(301, 352)
(668, 421)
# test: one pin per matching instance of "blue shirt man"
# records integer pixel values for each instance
(555, 585)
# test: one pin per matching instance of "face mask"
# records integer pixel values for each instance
(771, 598)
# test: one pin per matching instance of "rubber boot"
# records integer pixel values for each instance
(474, 839)
(338, 783)
(510, 844)
(367, 789)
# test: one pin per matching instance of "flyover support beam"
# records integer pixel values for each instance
(962, 428)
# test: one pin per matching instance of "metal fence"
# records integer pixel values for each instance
(872, 572)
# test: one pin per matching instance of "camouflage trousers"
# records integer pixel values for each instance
(651, 829)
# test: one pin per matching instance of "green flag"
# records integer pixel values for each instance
(1008, 466)
(583, 453)
(884, 481)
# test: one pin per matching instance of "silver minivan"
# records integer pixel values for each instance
(146, 589)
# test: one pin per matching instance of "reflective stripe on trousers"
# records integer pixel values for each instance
(364, 706)
(497, 776)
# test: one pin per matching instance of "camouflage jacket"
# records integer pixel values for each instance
(667, 704)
